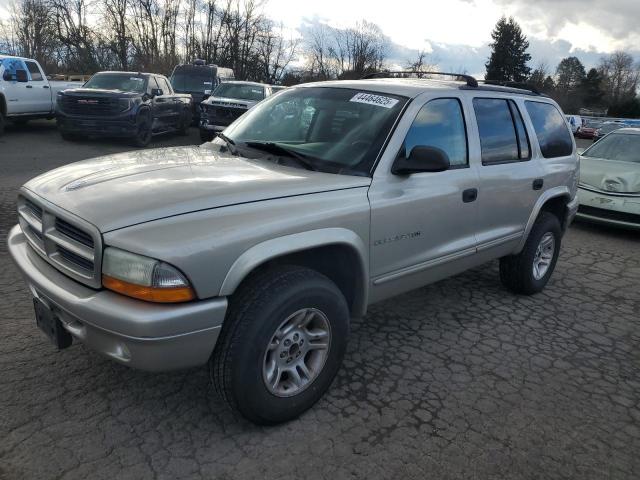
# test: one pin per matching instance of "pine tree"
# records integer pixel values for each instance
(570, 74)
(593, 88)
(509, 57)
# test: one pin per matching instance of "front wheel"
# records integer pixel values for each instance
(143, 130)
(185, 122)
(281, 344)
(529, 271)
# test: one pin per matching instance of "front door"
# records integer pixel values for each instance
(423, 225)
(16, 93)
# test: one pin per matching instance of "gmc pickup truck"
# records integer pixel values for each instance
(25, 92)
(123, 104)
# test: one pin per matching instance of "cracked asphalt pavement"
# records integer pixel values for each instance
(455, 380)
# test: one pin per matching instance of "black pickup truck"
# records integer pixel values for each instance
(123, 104)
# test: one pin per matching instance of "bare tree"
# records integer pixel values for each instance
(621, 77)
(422, 63)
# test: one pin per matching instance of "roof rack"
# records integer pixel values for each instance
(518, 85)
(471, 82)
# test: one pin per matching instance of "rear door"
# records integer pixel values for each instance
(39, 95)
(510, 176)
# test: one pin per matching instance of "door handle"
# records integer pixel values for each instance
(538, 183)
(29, 86)
(470, 195)
(45, 86)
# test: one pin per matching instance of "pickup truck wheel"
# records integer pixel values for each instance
(2, 122)
(185, 122)
(143, 131)
(281, 344)
(206, 135)
(529, 271)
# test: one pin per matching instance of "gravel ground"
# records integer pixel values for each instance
(456, 380)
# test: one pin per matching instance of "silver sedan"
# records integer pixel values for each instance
(609, 190)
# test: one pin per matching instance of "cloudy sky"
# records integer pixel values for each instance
(456, 32)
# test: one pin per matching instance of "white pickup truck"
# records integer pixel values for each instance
(25, 92)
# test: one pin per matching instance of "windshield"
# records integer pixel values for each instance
(122, 82)
(617, 146)
(240, 91)
(192, 80)
(339, 130)
(610, 127)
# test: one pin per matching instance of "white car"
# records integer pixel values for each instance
(25, 92)
(609, 189)
(575, 122)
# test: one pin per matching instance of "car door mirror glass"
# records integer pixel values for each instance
(21, 76)
(422, 158)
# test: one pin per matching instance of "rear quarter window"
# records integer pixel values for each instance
(551, 129)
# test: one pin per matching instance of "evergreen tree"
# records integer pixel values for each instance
(593, 89)
(570, 74)
(509, 57)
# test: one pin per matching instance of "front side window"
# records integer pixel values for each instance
(239, 91)
(551, 129)
(620, 147)
(121, 82)
(34, 71)
(338, 130)
(440, 124)
(503, 137)
(10, 66)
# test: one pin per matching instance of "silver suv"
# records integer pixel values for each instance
(252, 252)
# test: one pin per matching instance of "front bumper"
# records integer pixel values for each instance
(609, 209)
(138, 334)
(121, 126)
(215, 119)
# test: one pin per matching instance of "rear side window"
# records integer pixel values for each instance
(36, 76)
(440, 123)
(551, 129)
(503, 137)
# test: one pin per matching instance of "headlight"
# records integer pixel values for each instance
(144, 278)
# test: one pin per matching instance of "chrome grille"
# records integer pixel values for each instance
(68, 243)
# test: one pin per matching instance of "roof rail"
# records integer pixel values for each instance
(471, 82)
(519, 85)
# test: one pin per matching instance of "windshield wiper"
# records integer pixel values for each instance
(230, 143)
(277, 149)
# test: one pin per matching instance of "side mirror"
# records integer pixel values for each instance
(422, 159)
(156, 92)
(21, 76)
(7, 76)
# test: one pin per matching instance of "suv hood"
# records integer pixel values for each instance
(230, 102)
(610, 175)
(125, 189)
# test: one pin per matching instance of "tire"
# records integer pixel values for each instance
(143, 130)
(257, 312)
(185, 123)
(518, 272)
(2, 123)
(206, 135)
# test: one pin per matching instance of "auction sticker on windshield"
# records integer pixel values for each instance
(370, 99)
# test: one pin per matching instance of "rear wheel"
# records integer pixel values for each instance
(281, 344)
(143, 130)
(529, 271)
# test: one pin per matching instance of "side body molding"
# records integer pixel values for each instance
(280, 246)
(561, 191)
